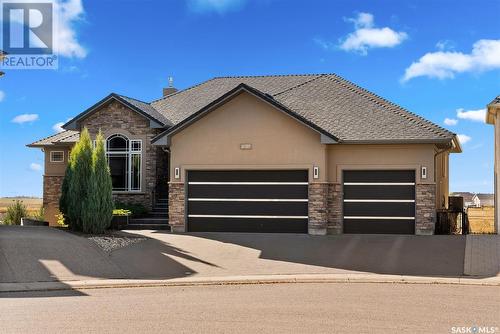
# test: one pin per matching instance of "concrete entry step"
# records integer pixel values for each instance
(147, 227)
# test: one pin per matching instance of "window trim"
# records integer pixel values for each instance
(129, 153)
(56, 161)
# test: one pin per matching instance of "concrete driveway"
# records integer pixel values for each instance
(31, 254)
(234, 254)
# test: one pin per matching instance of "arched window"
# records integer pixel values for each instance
(125, 161)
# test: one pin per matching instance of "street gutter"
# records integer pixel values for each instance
(240, 280)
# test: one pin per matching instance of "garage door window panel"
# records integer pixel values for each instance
(379, 201)
(248, 201)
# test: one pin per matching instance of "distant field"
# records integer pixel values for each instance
(33, 204)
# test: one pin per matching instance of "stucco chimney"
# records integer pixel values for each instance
(170, 89)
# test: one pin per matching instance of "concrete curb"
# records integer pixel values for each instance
(254, 279)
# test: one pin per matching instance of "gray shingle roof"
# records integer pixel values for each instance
(334, 104)
(146, 108)
(496, 100)
(64, 137)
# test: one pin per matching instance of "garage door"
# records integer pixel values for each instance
(247, 201)
(379, 201)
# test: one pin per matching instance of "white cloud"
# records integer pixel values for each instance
(35, 167)
(66, 14)
(25, 118)
(69, 12)
(464, 138)
(2, 95)
(472, 115)
(450, 121)
(218, 6)
(445, 45)
(58, 127)
(366, 36)
(485, 55)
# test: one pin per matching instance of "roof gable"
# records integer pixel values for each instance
(164, 137)
(342, 109)
(157, 120)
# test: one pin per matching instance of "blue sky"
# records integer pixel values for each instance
(439, 59)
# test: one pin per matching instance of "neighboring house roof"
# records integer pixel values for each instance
(345, 111)
(143, 108)
(486, 199)
(61, 138)
(467, 196)
(493, 107)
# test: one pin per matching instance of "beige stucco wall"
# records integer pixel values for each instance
(349, 157)
(442, 179)
(278, 140)
(56, 168)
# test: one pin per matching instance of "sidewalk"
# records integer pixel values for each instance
(251, 279)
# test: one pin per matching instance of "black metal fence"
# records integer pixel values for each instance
(452, 222)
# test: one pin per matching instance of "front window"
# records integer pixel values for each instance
(125, 161)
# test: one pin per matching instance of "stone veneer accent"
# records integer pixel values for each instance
(115, 116)
(335, 196)
(51, 193)
(425, 201)
(177, 206)
(318, 208)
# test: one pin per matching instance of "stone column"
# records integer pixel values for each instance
(51, 194)
(176, 206)
(335, 208)
(425, 209)
(318, 208)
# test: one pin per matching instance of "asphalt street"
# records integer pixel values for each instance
(269, 308)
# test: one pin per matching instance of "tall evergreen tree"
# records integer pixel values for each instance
(99, 211)
(64, 199)
(81, 185)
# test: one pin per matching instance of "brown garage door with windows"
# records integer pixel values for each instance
(247, 201)
(379, 201)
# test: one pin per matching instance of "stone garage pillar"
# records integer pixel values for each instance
(334, 208)
(318, 208)
(176, 206)
(425, 217)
